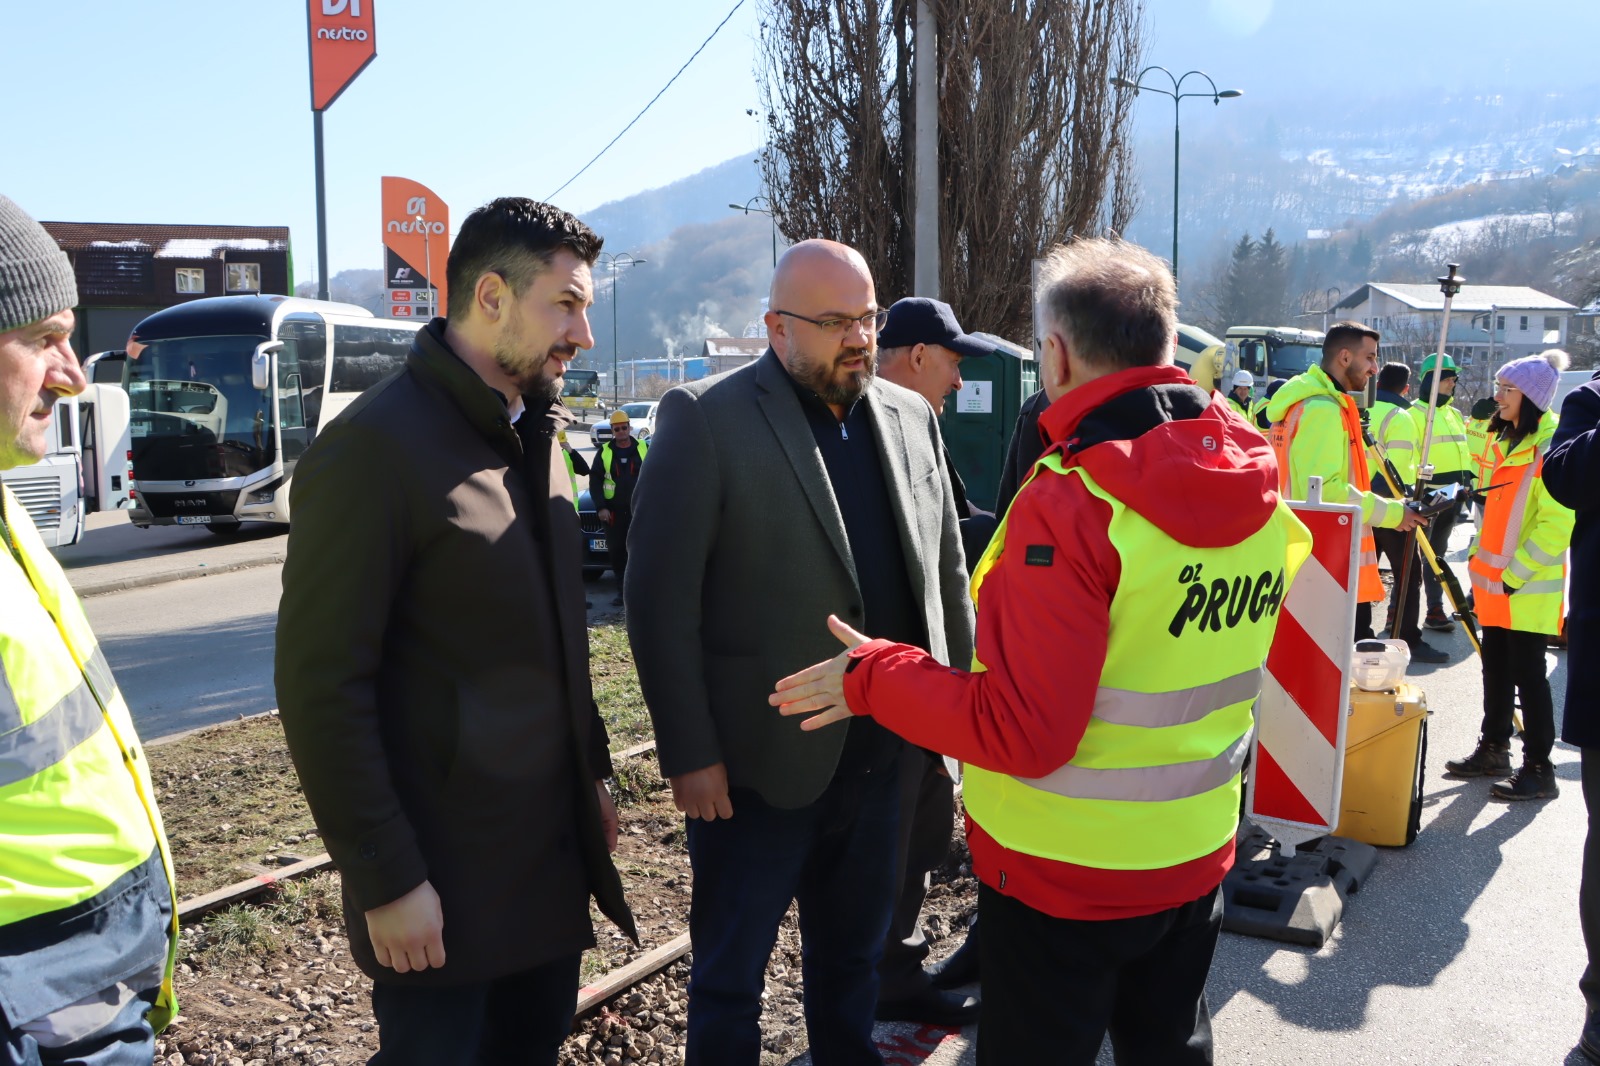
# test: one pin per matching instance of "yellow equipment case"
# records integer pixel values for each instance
(1386, 744)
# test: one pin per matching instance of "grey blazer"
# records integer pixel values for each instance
(738, 554)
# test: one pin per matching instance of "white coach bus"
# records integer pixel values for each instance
(226, 394)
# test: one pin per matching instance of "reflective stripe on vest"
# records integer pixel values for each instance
(28, 748)
(609, 487)
(1155, 779)
(77, 808)
(1498, 541)
(1370, 582)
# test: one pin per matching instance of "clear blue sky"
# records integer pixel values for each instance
(199, 112)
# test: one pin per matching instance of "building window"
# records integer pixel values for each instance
(191, 279)
(1500, 323)
(1552, 324)
(244, 277)
(1522, 323)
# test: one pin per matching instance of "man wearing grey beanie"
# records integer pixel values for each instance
(87, 929)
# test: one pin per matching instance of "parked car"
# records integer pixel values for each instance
(641, 419)
(596, 560)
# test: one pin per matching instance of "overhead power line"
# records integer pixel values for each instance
(651, 104)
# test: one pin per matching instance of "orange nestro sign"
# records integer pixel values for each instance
(416, 235)
(344, 39)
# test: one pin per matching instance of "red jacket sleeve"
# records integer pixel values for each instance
(1043, 615)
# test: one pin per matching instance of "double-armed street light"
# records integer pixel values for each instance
(770, 212)
(617, 260)
(1177, 96)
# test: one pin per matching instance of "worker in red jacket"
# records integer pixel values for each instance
(1125, 610)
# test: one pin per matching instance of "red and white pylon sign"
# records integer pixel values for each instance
(1297, 759)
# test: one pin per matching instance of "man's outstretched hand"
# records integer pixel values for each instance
(819, 687)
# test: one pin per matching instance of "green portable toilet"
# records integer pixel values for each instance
(977, 421)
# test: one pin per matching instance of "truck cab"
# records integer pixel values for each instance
(1270, 353)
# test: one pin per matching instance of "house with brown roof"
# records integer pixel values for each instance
(126, 271)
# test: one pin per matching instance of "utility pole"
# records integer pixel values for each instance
(925, 195)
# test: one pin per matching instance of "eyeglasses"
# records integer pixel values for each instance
(1501, 386)
(871, 322)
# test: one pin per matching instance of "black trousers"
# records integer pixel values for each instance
(523, 1018)
(1513, 665)
(927, 818)
(1439, 527)
(1054, 987)
(1391, 544)
(617, 542)
(1589, 888)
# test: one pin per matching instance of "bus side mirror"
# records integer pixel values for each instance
(261, 365)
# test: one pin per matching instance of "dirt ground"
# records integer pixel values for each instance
(273, 982)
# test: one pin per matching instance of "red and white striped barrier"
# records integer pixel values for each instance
(1297, 759)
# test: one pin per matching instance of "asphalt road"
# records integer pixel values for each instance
(190, 653)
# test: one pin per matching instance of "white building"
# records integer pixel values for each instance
(1489, 324)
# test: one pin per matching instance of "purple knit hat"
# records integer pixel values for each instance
(1536, 376)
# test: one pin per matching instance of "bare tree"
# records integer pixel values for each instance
(1033, 139)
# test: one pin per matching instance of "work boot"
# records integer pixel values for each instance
(1437, 619)
(1488, 759)
(959, 968)
(1589, 1042)
(1423, 652)
(1532, 781)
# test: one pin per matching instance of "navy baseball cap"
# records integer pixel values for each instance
(919, 320)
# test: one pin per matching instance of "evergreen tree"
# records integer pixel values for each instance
(1271, 271)
(1361, 256)
(1238, 291)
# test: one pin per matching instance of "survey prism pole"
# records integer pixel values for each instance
(1450, 285)
(1297, 756)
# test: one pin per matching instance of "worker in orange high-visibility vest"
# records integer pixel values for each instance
(1519, 572)
(1316, 432)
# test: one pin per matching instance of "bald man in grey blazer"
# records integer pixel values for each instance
(795, 487)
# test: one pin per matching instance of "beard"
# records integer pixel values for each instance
(537, 377)
(824, 377)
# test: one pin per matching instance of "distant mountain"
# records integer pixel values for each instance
(1333, 165)
(647, 217)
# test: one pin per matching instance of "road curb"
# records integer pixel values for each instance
(139, 581)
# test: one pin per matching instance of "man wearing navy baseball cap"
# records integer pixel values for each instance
(920, 348)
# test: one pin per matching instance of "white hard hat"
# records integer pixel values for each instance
(1245, 378)
(1377, 665)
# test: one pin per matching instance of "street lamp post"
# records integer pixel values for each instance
(771, 213)
(1177, 95)
(616, 260)
(1331, 293)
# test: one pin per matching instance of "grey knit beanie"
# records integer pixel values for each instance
(35, 275)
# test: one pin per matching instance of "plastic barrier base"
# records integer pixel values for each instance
(1297, 900)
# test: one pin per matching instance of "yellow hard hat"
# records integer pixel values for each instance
(619, 418)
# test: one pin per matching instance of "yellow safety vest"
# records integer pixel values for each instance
(1155, 781)
(77, 810)
(572, 475)
(608, 486)
(1393, 427)
(1449, 451)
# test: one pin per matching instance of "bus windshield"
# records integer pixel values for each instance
(194, 413)
(581, 383)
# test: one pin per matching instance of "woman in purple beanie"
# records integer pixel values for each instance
(1518, 583)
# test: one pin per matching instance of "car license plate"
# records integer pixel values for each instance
(597, 544)
(193, 520)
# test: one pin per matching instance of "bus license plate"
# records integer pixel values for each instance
(193, 520)
(597, 544)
